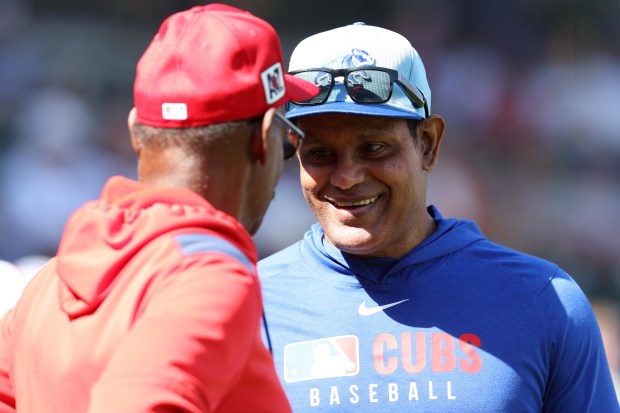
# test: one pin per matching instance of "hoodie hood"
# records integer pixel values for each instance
(102, 236)
(450, 236)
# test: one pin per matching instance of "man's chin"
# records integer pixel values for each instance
(356, 241)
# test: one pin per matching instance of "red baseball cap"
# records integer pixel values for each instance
(212, 64)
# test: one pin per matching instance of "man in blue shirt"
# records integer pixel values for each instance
(387, 306)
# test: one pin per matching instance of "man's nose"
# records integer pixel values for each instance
(347, 173)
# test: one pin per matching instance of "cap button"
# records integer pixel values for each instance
(359, 24)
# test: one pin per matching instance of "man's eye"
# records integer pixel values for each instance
(372, 147)
(319, 153)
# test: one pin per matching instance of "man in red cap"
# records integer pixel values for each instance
(152, 303)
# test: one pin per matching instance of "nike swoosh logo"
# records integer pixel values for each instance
(364, 311)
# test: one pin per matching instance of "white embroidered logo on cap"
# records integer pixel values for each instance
(174, 111)
(273, 82)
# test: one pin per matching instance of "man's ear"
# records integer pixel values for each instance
(131, 121)
(431, 135)
(260, 137)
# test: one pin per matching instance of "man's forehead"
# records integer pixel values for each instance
(360, 126)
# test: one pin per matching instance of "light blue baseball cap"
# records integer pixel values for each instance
(356, 45)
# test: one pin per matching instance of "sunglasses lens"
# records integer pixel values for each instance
(369, 86)
(322, 80)
(290, 144)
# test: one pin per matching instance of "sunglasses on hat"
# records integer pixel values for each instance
(294, 136)
(364, 84)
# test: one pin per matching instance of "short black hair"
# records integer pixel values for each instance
(191, 137)
(413, 124)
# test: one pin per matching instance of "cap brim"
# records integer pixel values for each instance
(298, 89)
(384, 109)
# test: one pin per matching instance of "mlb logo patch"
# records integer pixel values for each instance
(273, 82)
(174, 111)
(322, 358)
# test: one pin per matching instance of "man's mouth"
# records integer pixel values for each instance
(363, 202)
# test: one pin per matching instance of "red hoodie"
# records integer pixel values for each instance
(138, 313)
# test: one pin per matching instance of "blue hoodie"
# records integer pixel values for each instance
(459, 324)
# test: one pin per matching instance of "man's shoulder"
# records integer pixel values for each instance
(280, 260)
(546, 280)
(499, 260)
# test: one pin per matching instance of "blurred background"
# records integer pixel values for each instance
(530, 90)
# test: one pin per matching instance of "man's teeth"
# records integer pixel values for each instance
(358, 203)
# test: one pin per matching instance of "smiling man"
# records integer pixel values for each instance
(387, 306)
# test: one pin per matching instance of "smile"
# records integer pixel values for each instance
(357, 203)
